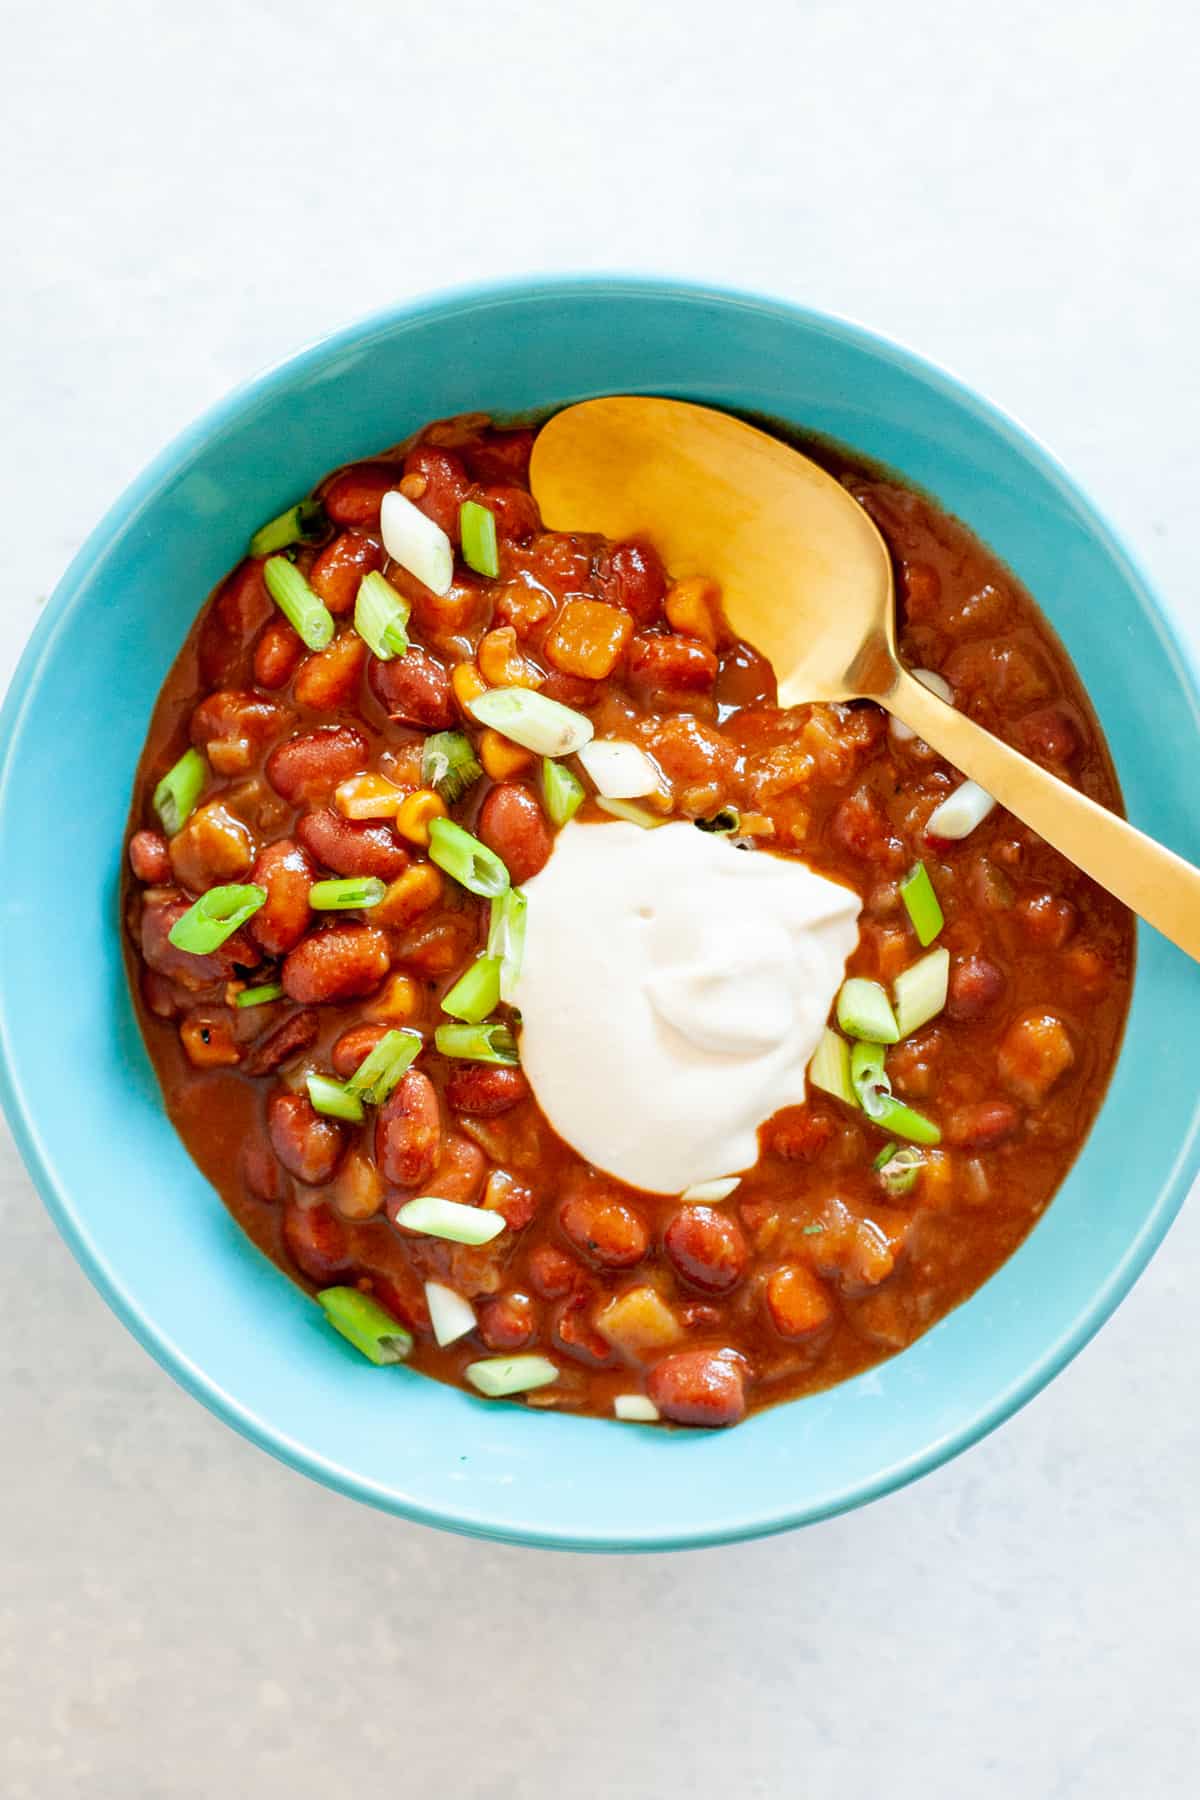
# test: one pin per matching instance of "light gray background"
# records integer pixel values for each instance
(189, 192)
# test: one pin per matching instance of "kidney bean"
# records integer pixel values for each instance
(338, 571)
(670, 671)
(240, 609)
(149, 858)
(1086, 973)
(799, 1134)
(159, 996)
(693, 754)
(238, 724)
(277, 654)
(603, 1227)
(160, 910)
(1035, 1053)
(976, 984)
(447, 485)
(699, 1387)
(799, 1303)
(517, 1205)
(1048, 919)
(287, 872)
(316, 1241)
(508, 1321)
(572, 1334)
(353, 1048)
(414, 689)
(707, 1248)
(340, 962)
(982, 1125)
(571, 690)
(283, 1041)
(313, 763)
(460, 1170)
(213, 847)
(408, 1132)
(483, 1090)
(437, 949)
(352, 846)
(631, 576)
(261, 1173)
(308, 1144)
(514, 510)
(513, 825)
(1049, 734)
(358, 1190)
(355, 496)
(329, 678)
(500, 455)
(208, 1040)
(552, 1273)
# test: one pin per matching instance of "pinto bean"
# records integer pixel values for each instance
(707, 1248)
(552, 1273)
(699, 1387)
(799, 1303)
(355, 496)
(603, 1227)
(982, 1125)
(513, 825)
(316, 1241)
(281, 1042)
(312, 764)
(976, 984)
(632, 576)
(352, 846)
(508, 1321)
(447, 485)
(1048, 919)
(340, 962)
(482, 1090)
(277, 654)
(670, 671)
(213, 847)
(414, 689)
(408, 1132)
(261, 1173)
(239, 610)
(338, 571)
(286, 872)
(149, 858)
(460, 1170)
(798, 1134)
(160, 910)
(308, 1144)
(329, 678)
(514, 510)
(353, 1048)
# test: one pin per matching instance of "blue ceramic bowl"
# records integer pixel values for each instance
(78, 1088)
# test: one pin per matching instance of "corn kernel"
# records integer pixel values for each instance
(755, 825)
(589, 638)
(693, 606)
(501, 663)
(410, 895)
(501, 757)
(415, 814)
(398, 1001)
(413, 486)
(467, 683)
(367, 796)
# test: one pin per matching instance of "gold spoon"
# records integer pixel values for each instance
(807, 579)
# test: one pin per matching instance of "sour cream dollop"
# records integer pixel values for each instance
(672, 992)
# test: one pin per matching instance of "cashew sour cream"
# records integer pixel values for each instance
(672, 992)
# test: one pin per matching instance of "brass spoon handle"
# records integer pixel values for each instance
(1158, 885)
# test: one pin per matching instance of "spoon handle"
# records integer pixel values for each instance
(1158, 885)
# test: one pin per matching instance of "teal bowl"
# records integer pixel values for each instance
(77, 1085)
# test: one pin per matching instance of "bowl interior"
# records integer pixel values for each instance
(78, 1087)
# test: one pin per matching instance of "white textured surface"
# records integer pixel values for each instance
(190, 191)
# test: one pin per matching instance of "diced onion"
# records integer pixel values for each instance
(434, 1217)
(711, 1191)
(636, 1409)
(497, 1376)
(416, 543)
(534, 721)
(937, 684)
(619, 769)
(451, 1316)
(959, 814)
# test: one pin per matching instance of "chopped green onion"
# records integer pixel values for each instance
(619, 770)
(214, 917)
(727, 822)
(351, 891)
(632, 815)
(302, 609)
(492, 1043)
(477, 527)
(892, 1115)
(864, 1011)
(331, 1098)
(921, 903)
(885, 1155)
(899, 1169)
(259, 996)
(449, 764)
(506, 939)
(416, 542)
(366, 1325)
(498, 1376)
(959, 814)
(532, 720)
(451, 1316)
(868, 1077)
(382, 1067)
(711, 1192)
(475, 994)
(176, 795)
(381, 617)
(921, 991)
(829, 1069)
(636, 1409)
(812, 1231)
(562, 791)
(471, 863)
(450, 1219)
(303, 523)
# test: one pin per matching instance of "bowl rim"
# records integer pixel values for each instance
(166, 467)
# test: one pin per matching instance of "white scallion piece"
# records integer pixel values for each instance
(921, 991)
(619, 769)
(959, 814)
(711, 1191)
(450, 1315)
(937, 684)
(416, 543)
(434, 1217)
(630, 811)
(530, 719)
(636, 1409)
(497, 1376)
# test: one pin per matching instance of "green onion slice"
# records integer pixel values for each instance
(869, 1078)
(477, 527)
(176, 795)
(381, 617)
(864, 1011)
(477, 993)
(899, 1168)
(829, 1069)
(352, 891)
(892, 1115)
(531, 719)
(921, 991)
(635, 1409)
(471, 863)
(450, 1219)
(366, 1325)
(331, 1098)
(726, 823)
(562, 791)
(498, 1376)
(382, 1067)
(449, 764)
(451, 1316)
(259, 996)
(486, 1043)
(214, 917)
(305, 611)
(303, 523)
(506, 940)
(632, 815)
(922, 905)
